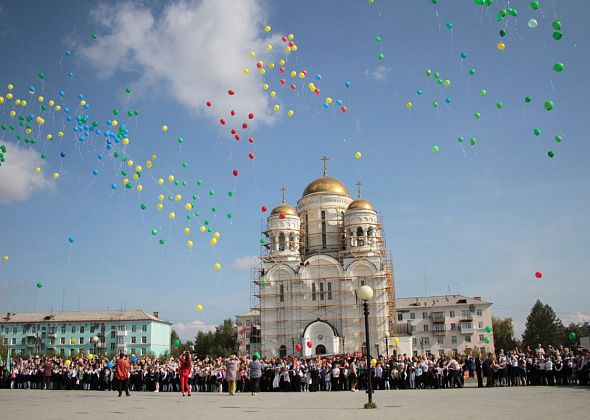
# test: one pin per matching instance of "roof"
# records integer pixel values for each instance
(360, 204)
(284, 209)
(251, 312)
(326, 184)
(437, 301)
(79, 316)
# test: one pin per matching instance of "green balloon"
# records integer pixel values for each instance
(502, 32)
(488, 329)
(41, 75)
(180, 140)
(548, 105)
(154, 232)
(556, 25)
(211, 193)
(176, 342)
(257, 355)
(176, 182)
(483, 92)
(263, 282)
(537, 131)
(199, 182)
(184, 183)
(571, 335)
(129, 185)
(262, 241)
(558, 139)
(460, 139)
(435, 104)
(381, 56)
(477, 115)
(503, 12)
(428, 72)
(230, 193)
(115, 111)
(213, 209)
(535, 5)
(499, 105)
(557, 36)
(472, 141)
(127, 89)
(528, 99)
(437, 75)
(184, 165)
(143, 206)
(39, 285)
(93, 36)
(558, 67)
(378, 39)
(471, 72)
(550, 154)
(435, 149)
(229, 216)
(43, 155)
(487, 340)
(162, 242)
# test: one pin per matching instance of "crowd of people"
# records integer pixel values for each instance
(186, 374)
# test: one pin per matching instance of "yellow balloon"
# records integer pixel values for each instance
(148, 163)
(178, 197)
(28, 131)
(447, 83)
(17, 102)
(213, 241)
(199, 308)
(5, 258)
(301, 75)
(51, 102)
(125, 181)
(290, 113)
(293, 73)
(138, 168)
(216, 235)
(328, 100)
(159, 206)
(281, 62)
(9, 96)
(217, 266)
(395, 340)
(68, 362)
(358, 155)
(252, 53)
(267, 28)
(271, 65)
(40, 98)
(202, 228)
(171, 215)
(139, 188)
(273, 93)
(129, 163)
(160, 181)
(373, 362)
(262, 71)
(12, 113)
(265, 86)
(60, 134)
(154, 157)
(294, 48)
(277, 107)
(37, 169)
(114, 123)
(161, 197)
(125, 141)
(246, 71)
(135, 177)
(82, 102)
(269, 47)
(287, 49)
(10, 87)
(1, 100)
(408, 105)
(49, 136)
(58, 107)
(290, 36)
(164, 128)
(55, 175)
(501, 46)
(187, 230)
(189, 244)
(90, 356)
(188, 206)
(24, 103)
(72, 340)
(170, 178)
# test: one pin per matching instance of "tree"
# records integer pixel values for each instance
(177, 347)
(503, 331)
(542, 327)
(3, 350)
(221, 342)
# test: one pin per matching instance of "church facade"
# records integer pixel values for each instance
(315, 258)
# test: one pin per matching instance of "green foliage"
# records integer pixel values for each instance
(543, 327)
(221, 342)
(580, 330)
(3, 349)
(503, 334)
(177, 351)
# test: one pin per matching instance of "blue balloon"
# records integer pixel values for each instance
(326, 105)
(61, 93)
(62, 154)
(113, 186)
(66, 109)
(68, 53)
(419, 92)
(68, 118)
(95, 172)
(347, 84)
(318, 76)
(463, 55)
(448, 99)
(80, 96)
(339, 102)
(134, 360)
(100, 156)
(449, 25)
(32, 89)
(110, 364)
(71, 74)
(71, 239)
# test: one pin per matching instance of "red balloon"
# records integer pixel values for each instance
(237, 137)
(281, 69)
(233, 112)
(293, 86)
(309, 344)
(538, 274)
(230, 92)
(233, 131)
(291, 43)
(251, 155)
(316, 91)
(235, 172)
(264, 209)
(297, 347)
(250, 116)
(343, 108)
(281, 216)
(245, 125)
(284, 39)
(208, 103)
(283, 81)
(222, 121)
(251, 139)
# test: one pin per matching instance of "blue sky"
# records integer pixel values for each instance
(480, 219)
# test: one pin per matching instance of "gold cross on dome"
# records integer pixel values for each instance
(358, 188)
(283, 189)
(325, 158)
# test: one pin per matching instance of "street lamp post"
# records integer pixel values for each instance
(94, 341)
(365, 294)
(387, 343)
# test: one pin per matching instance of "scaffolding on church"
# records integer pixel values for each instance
(284, 305)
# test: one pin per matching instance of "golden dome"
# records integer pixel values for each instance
(326, 184)
(284, 209)
(360, 204)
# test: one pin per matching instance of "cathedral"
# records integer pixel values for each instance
(314, 259)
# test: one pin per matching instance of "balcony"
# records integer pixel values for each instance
(466, 329)
(31, 334)
(440, 331)
(121, 333)
(51, 334)
(437, 317)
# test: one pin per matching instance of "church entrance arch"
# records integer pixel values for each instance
(323, 336)
(283, 351)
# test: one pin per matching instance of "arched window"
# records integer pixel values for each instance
(291, 241)
(370, 235)
(321, 291)
(281, 241)
(359, 236)
(329, 290)
(313, 292)
(282, 293)
(323, 229)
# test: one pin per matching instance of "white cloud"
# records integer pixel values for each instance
(18, 180)
(244, 263)
(188, 330)
(379, 73)
(194, 51)
(578, 317)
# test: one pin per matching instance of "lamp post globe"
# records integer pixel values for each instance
(94, 340)
(365, 294)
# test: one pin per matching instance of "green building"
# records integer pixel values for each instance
(97, 332)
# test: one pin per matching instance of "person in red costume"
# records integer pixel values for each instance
(184, 369)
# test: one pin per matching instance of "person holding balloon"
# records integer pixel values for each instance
(255, 373)
(184, 369)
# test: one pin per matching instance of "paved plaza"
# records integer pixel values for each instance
(498, 403)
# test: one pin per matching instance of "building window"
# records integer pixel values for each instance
(92, 328)
(480, 325)
(441, 352)
(144, 328)
(413, 328)
(113, 334)
(113, 347)
(482, 350)
(81, 329)
(480, 338)
(13, 341)
(282, 293)
(478, 312)
(281, 241)
(143, 340)
(414, 341)
(143, 352)
(81, 340)
(134, 328)
(452, 314)
(321, 291)
(467, 325)
(313, 291)
(453, 326)
(440, 340)
(133, 351)
(329, 290)
(323, 229)
(426, 341)
(133, 340)
(360, 237)
(465, 313)
(72, 351)
(121, 340)
(468, 339)
(62, 352)
(122, 327)
(425, 328)
(424, 315)
(412, 315)
(62, 340)
(73, 329)
(52, 341)
(113, 327)
(400, 317)
(454, 339)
